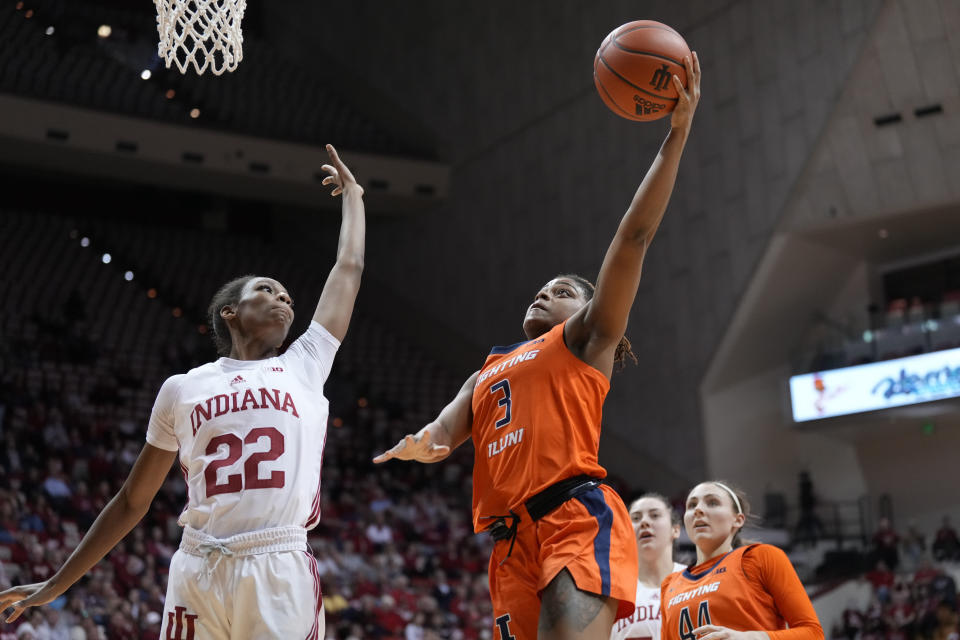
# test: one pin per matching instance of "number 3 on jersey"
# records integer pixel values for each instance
(686, 623)
(505, 401)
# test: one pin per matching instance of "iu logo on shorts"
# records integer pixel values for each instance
(176, 621)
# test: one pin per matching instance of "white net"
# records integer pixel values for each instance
(202, 33)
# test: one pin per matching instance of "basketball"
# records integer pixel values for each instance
(634, 66)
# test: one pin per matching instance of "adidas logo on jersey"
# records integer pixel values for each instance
(237, 380)
(276, 369)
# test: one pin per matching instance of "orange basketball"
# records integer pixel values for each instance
(634, 66)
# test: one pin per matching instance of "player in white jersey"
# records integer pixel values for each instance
(657, 527)
(250, 430)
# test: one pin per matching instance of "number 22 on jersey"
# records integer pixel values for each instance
(686, 623)
(250, 479)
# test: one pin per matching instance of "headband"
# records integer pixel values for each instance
(736, 500)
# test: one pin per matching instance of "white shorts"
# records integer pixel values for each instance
(257, 585)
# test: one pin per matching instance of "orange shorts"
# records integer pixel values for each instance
(589, 535)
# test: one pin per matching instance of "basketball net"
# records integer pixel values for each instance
(202, 33)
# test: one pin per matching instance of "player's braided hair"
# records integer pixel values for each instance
(624, 349)
(228, 295)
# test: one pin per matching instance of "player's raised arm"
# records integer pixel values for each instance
(435, 441)
(120, 515)
(343, 283)
(596, 330)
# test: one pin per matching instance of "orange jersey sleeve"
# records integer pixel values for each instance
(537, 410)
(771, 567)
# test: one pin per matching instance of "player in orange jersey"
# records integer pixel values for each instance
(565, 562)
(734, 592)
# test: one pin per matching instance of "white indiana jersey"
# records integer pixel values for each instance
(644, 622)
(250, 435)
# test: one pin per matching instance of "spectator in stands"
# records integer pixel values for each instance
(900, 615)
(946, 544)
(326, 562)
(851, 621)
(809, 527)
(948, 626)
(442, 592)
(882, 580)
(943, 588)
(886, 544)
(387, 617)
(914, 545)
(10, 461)
(56, 485)
(379, 532)
(54, 432)
(414, 629)
(158, 546)
(26, 631)
(58, 625)
(874, 625)
(380, 501)
(81, 505)
(926, 605)
(8, 522)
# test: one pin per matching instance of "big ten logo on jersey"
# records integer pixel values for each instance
(502, 388)
(180, 624)
(503, 626)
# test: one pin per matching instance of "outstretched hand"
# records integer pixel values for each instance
(716, 632)
(340, 174)
(682, 116)
(420, 448)
(24, 596)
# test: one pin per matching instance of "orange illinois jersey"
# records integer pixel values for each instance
(752, 588)
(536, 420)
